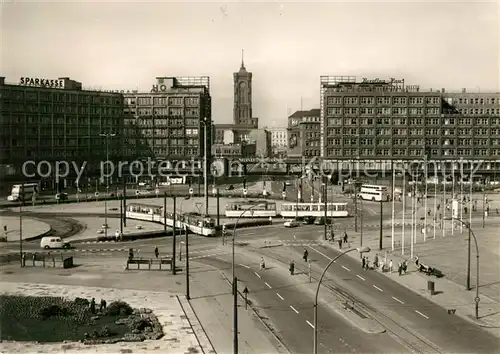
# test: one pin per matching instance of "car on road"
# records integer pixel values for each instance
(230, 187)
(321, 221)
(53, 242)
(291, 223)
(61, 196)
(308, 220)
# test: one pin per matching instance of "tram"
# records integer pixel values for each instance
(255, 209)
(195, 223)
(334, 210)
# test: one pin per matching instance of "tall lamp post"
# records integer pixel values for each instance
(476, 299)
(106, 136)
(205, 160)
(360, 250)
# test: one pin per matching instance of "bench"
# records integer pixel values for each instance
(150, 262)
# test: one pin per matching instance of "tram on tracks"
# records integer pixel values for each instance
(301, 210)
(195, 223)
(253, 208)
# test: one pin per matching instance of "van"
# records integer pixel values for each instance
(53, 242)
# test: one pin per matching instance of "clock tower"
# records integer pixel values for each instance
(242, 111)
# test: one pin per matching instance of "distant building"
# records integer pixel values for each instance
(386, 119)
(279, 141)
(233, 150)
(262, 140)
(242, 111)
(304, 134)
(56, 120)
(169, 121)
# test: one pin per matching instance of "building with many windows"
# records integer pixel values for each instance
(56, 120)
(279, 141)
(304, 134)
(385, 119)
(169, 122)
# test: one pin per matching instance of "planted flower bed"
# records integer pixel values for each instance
(55, 319)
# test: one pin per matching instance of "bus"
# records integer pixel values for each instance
(374, 193)
(334, 210)
(195, 223)
(29, 190)
(259, 209)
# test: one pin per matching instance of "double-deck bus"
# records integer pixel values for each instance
(334, 210)
(255, 209)
(195, 223)
(374, 193)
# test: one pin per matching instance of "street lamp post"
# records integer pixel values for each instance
(360, 250)
(476, 299)
(205, 162)
(107, 136)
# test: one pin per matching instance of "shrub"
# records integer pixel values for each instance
(117, 308)
(53, 311)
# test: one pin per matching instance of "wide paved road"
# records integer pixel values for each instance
(383, 296)
(289, 310)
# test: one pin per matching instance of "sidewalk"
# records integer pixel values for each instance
(32, 228)
(449, 255)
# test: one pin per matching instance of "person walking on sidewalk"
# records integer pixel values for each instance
(340, 243)
(262, 263)
(363, 263)
(305, 255)
(390, 266)
(400, 268)
(375, 261)
(157, 253)
(345, 236)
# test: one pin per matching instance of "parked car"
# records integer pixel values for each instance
(321, 221)
(53, 242)
(308, 220)
(291, 223)
(61, 196)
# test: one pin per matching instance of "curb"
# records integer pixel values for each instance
(199, 332)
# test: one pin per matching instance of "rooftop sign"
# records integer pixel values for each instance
(37, 82)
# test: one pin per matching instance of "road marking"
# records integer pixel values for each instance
(346, 268)
(257, 274)
(310, 324)
(269, 286)
(360, 277)
(250, 233)
(281, 297)
(395, 298)
(421, 314)
(321, 253)
(293, 308)
(244, 265)
(376, 287)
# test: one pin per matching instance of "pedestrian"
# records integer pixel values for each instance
(438, 206)
(390, 266)
(465, 210)
(363, 263)
(416, 260)
(429, 212)
(92, 305)
(102, 306)
(400, 268)
(340, 243)
(305, 255)
(292, 267)
(405, 266)
(157, 253)
(375, 261)
(131, 254)
(345, 236)
(262, 263)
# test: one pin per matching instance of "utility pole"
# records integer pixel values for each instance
(125, 202)
(21, 223)
(205, 163)
(188, 296)
(121, 217)
(106, 136)
(355, 207)
(173, 237)
(165, 213)
(218, 213)
(235, 314)
(484, 198)
(381, 219)
(467, 286)
(325, 197)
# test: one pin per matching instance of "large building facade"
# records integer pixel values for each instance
(386, 119)
(170, 121)
(279, 141)
(56, 120)
(304, 134)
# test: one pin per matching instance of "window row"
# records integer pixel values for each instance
(382, 100)
(61, 97)
(337, 111)
(158, 101)
(339, 152)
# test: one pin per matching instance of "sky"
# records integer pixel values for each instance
(288, 45)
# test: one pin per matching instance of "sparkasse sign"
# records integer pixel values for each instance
(51, 83)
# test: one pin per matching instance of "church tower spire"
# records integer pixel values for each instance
(242, 59)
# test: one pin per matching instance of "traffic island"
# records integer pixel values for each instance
(55, 319)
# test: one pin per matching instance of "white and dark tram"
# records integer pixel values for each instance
(195, 223)
(251, 209)
(333, 210)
